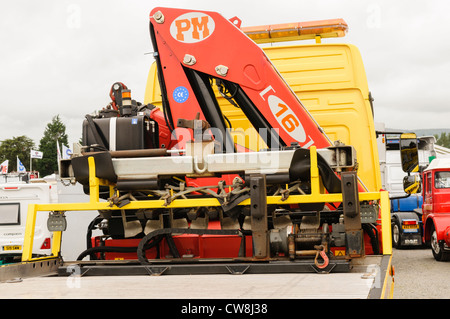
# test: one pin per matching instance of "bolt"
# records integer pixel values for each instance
(159, 17)
(222, 70)
(189, 59)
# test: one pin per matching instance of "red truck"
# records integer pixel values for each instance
(436, 207)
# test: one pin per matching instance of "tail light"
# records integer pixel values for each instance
(409, 222)
(46, 244)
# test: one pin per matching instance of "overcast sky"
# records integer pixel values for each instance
(61, 57)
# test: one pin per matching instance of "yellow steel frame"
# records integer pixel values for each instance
(317, 196)
(387, 291)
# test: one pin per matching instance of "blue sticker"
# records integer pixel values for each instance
(180, 94)
(134, 121)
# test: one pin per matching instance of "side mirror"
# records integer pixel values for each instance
(409, 152)
(411, 184)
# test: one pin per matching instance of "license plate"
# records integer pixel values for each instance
(12, 247)
(410, 226)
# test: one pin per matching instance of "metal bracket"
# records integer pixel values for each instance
(325, 270)
(237, 269)
(352, 214)
(258, 212)
(18, 271)
(156, 271)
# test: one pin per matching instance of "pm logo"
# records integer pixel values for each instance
(192, 27)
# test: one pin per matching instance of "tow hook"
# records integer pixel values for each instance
(321, 252)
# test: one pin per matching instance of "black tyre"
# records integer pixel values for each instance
(438, 247)
(396, 234)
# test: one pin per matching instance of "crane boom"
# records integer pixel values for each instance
(195, 47)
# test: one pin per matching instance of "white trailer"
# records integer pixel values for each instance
(14, 200)
(16, 195)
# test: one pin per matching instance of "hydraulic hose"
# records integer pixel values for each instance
(115, 249)
(372, 231)
(168, 231)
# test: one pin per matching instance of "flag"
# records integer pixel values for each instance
(58, 152)
(66, 152)
(20, 167)
(36, 154)
(4, 167)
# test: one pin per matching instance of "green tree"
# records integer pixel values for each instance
(15, 147)
(55, 131)
(443, 139)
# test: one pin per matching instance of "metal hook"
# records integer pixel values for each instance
(321, 252)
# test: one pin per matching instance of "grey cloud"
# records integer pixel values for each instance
(61, 57)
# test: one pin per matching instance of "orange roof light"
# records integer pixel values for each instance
(297, 31)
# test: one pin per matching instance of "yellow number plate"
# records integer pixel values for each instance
(410, 226)
(12, 247)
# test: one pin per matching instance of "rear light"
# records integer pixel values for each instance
(409, 222)
(46, 244)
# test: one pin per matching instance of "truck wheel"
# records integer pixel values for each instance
(396, 235)
(438, 248)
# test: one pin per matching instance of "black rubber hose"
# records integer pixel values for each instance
(168, 231)
(114, 249)
(101, 249)
(373, 234)
(91, 226)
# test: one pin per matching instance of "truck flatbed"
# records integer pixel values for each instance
(366, 280)
(257, 286)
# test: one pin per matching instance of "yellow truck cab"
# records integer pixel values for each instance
(330, 81)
